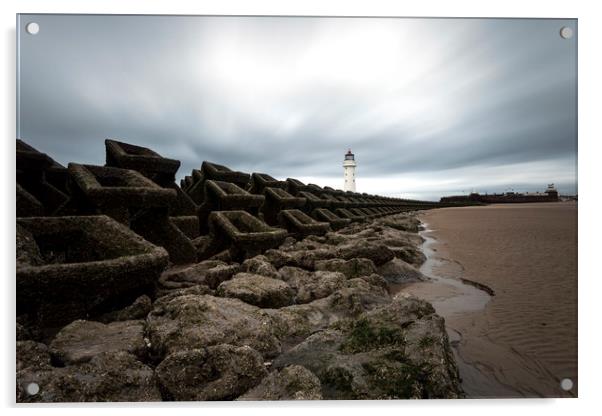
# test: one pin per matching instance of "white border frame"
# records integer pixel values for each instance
(590, 35)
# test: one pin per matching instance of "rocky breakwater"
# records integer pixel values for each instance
(312, 319)
(228, 287)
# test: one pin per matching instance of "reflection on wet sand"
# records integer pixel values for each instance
(522, 341)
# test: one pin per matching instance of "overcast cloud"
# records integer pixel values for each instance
(430, 107)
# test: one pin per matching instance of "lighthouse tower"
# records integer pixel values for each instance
(349, 167)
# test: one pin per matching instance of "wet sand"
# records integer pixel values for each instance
(522, 341)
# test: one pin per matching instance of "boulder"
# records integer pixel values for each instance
(350, 268)
(374, 280)
(336, 238)
(80, 341)
(307, 258)
(368, 284)
(398, 271)
(310, 286)
(220, 372)
(165, 294)
(378, 253)
(32, 354)
(409, 254)
(396, 351)
(108, 377)
(137, 310)
(395, 238)
(260, 265)
(257, 290)
(287, 243)
(307, 244)
(208, 272)
(402, 222)
(278, 258)
(296, 322)
(195, 321)
(291, 383)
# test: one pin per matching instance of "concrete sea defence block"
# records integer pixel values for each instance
(300, 224)
(345, 213)
(86, 264)
(141, 159)
(276, 200)
(159, 169)
(134, 200)
(294, 186)
(247, 235)
(27, 204)
(215, 172)
(312, 201)
(41, 177)
(261, 181)
(115, 189)
(326, 215)
(226, 196)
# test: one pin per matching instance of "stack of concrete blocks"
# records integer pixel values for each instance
(242, 234)
(195, 186)
(41, 183)
(226, 196)
(162, 171)
(92, 238)
(135, 201)
(283, 209)
(79, 267)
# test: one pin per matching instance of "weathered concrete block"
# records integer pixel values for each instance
(301, 224)
(42, 177)
(313, 201)
(360, 212)
(215, 172)
(90, 265)
(159, 169)
(241, 231)
(326, 215)
(134, 200)
(261, 181)
(226, 196)
(141, 159)
(114, 191)
(345, 213)
(294, 186)
(188, 224)
(27, 204)
(276, 200)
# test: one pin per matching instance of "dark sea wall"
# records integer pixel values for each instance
(227, 286)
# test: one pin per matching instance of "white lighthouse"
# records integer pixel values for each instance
(349, 167)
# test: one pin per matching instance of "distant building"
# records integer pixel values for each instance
(550, 195)
(349, 167)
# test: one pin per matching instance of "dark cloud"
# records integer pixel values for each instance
(429, 106)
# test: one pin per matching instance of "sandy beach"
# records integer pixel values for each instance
(522, 341)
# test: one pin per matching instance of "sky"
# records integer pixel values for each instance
(429, 107)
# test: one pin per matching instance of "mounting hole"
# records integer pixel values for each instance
(566, 384)
(566, 32)
(32, 28)
(32, 389)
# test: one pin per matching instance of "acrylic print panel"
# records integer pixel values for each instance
(278, 208)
